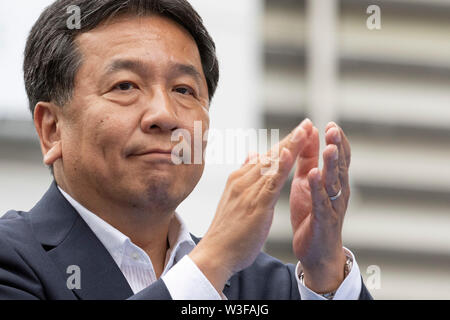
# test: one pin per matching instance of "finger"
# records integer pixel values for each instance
(252, 158)
(308, 157)
(335, 133)
(245, 175)
(295, 141)
(250, 174)
(321, 204)
(331, 177)
(270, 184)
(333, 136)
(330, 125)
(346, 146)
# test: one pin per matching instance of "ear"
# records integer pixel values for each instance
(46, 116)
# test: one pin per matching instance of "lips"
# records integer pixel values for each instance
(153, 151)
(155, 155)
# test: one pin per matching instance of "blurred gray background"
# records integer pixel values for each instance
(282, 61)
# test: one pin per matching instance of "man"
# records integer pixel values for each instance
(106, 100)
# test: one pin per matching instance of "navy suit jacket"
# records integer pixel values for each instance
(37, 247)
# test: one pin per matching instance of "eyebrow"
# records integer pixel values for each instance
(179, 69)
(140, 68)
(135, 66)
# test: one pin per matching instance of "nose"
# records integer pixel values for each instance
(160, 114)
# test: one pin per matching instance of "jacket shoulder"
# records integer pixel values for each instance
(15, 227)
(18, 279)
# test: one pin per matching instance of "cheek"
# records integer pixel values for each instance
(205, 135)
(104, 138)
(199, 122)
(198, 134)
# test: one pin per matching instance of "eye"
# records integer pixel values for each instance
(125, 86)
(185, 90)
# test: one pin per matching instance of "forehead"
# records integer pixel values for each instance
(150, 38)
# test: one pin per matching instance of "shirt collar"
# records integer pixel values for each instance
(180, 240)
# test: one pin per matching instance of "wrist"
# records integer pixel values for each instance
(212, 268)
(325, 276)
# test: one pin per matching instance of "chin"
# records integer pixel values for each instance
(163, 189)
(161, 193)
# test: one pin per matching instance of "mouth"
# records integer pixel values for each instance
(156, 155)
(153, 151)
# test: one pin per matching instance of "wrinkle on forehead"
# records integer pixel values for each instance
(156, 31)
(132, 32)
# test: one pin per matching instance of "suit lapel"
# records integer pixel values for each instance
(70, 242)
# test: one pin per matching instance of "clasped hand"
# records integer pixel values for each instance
(318, 202)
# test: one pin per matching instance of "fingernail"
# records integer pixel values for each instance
(306, 121)
(338, 138)
(336, 154)
(329, 126)
(297, 134)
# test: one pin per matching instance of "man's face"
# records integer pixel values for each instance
(141, 79)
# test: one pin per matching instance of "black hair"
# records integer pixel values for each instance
(52, 57)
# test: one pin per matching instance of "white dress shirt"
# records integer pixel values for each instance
(182, 277)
